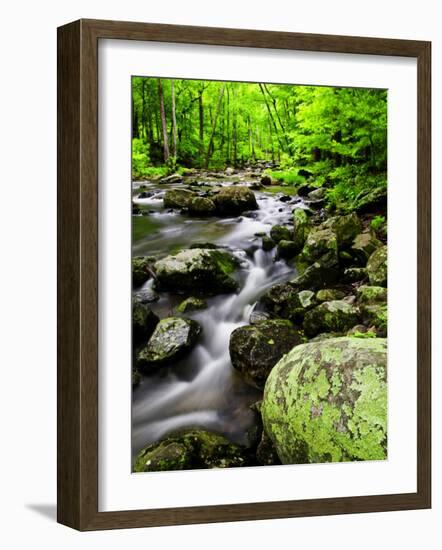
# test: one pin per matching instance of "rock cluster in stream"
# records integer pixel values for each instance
(316, 345)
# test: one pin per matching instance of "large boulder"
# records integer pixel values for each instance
(255, 349)
(301, 227)
(189, 450)
(234, 200)
(178, 198)
(333, 316)
(197, 270)
(327, 402)
(171, 340)
(363, 246)
(144, 322)
(202, 206)
(377, 267)
(287, 301)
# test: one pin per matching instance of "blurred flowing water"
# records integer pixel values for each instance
(203, 390)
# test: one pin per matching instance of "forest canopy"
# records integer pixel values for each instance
(334, 137)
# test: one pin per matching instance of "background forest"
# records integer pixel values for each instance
(332, 137)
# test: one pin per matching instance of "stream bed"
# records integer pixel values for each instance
(203, 390)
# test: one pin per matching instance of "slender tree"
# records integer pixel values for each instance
(163, 121)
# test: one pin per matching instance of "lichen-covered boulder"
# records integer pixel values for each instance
(197, 270)
(255, 349)
(371, 294)
(376, 315)
(377, 267)
(327, 402)
(189, 450)
(320, 242)
(144, 322)
(201, 206)
(329, 294)
(301, 227)
(178, 198)
(280, 232)
(234, 200)
(141, 269)
(171, 340)
(346, 228)
(363, 246)
(191, 304)
(287, 301)
(334, 316)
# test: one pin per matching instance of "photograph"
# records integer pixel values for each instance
(259, 274)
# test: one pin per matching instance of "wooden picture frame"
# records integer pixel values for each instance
(78, 274)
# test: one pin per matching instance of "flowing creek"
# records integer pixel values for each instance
(203, 390)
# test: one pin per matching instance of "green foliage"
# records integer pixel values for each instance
(332, 137)
(377, 222)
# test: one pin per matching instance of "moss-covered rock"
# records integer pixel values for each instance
(190, 304)
(363, 246)
(327, 402)
(255, 349)
(346, 228)
(301, 227)
(371, 294)
(287, 301)
(197, 270)
(334, 316)
(234, 200)
(141, 269)
(376, 315)
(320, 274)
(280, 233)
(267, 243)
(286, 249)
(189, 450)
(377, 267)
(202, 206)
(144, 322)
(320, 242)
(178, 198)
(329, 294)
(172, 339)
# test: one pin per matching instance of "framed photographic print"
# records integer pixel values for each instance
(232, 207)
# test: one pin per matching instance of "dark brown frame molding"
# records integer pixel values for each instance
(78, 274)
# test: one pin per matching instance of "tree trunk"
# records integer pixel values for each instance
(201, 121)
(212, 134)
(174, 131)
(163, 121)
